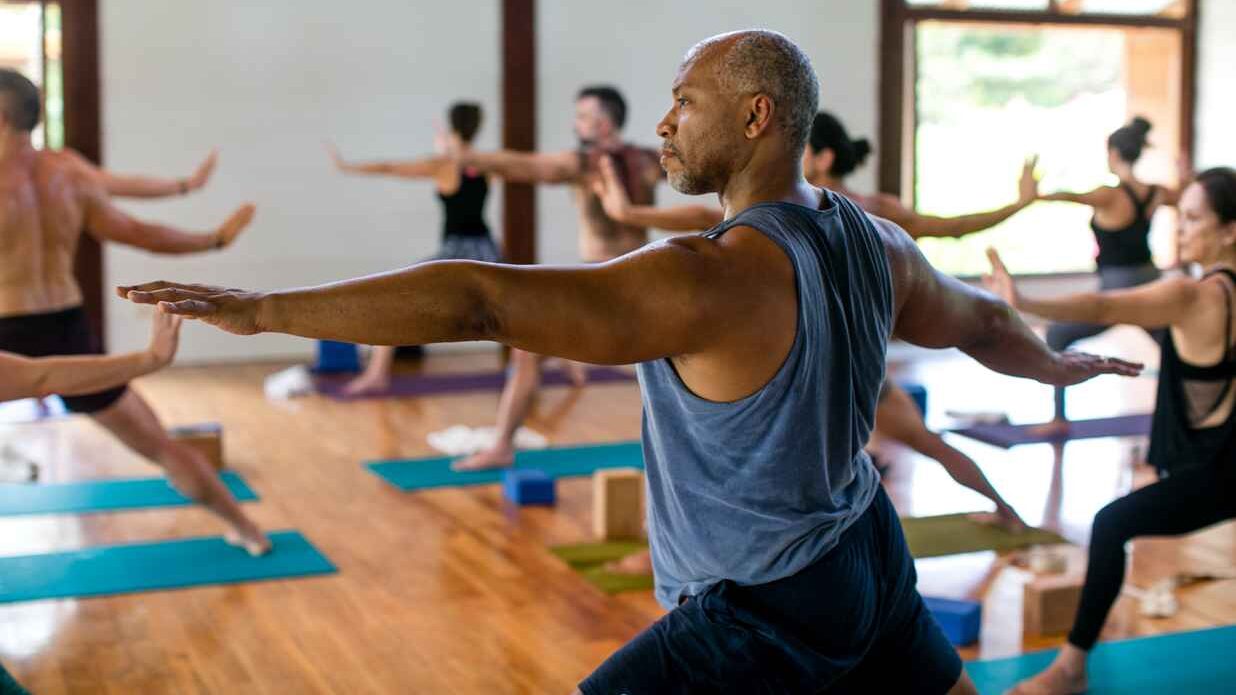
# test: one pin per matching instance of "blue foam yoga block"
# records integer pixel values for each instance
(335, 357)
(918, 392)
(528, 486)
(960, 620)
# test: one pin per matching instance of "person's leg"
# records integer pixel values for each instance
(513, 408)
(898, 418)
(1189, 500)
(377, 375)
(132, 421)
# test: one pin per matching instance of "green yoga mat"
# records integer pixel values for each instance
(954, 534)
(8, 686)
(1184, 662)
(559, 462)
(21, 499)
(928, 536)
(136, 567)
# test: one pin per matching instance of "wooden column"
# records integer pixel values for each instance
(519, 125)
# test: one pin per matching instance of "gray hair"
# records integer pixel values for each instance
(766, 62)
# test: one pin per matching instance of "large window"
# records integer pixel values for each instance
(977, 86)
(30, 44)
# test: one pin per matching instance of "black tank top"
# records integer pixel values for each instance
(465, 207)
(1189, 394)
(1130, 245)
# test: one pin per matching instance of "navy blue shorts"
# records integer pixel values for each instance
(853, 622)
(58, 333)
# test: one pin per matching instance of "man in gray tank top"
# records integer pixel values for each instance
(761, 350)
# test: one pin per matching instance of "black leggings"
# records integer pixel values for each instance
(1184, 502)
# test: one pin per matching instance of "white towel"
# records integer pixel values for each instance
(16, 468)
(289, 383)
(462, 440)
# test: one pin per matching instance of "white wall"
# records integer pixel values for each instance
(637, 46)
(268, 82)
(1216, 97)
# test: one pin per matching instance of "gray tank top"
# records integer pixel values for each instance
(758, 489)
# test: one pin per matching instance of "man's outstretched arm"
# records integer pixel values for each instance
(937, 311)
(681, 296)
(523, 167)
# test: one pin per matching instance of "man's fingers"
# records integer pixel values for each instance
(193, 308)
(168, 294)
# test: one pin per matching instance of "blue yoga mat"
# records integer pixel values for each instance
(563, 462)
(1184, 662)
(20, 499)
(129, 568)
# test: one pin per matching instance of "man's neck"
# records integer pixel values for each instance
(14, 146)
(770, 180)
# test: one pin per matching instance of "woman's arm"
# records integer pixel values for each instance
(23, 377)
(1154, 305)
(423, 168)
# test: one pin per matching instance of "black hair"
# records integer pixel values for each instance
(465, 119)
(19, 100)
(1129, 140)
(828, 133)
(611, 100)
(1220, 186)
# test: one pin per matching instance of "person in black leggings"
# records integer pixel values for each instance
(1121, 226)
(462, 192)
(1194, 424)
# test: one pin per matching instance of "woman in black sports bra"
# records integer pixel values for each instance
(464, 232)
(1193, 438)
(1121, 226)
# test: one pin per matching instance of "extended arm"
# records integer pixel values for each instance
(920, 226)
(425, 167)
(938, 311)
(139, 186)
(677, 218)
(671, 298)
(1096, 198)
(109, 223)
(524, 167)
(1154, 305)
(23, 377)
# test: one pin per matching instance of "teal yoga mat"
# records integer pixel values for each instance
(130, 568)
(1184, 662)
(20, 499)
(561, 462)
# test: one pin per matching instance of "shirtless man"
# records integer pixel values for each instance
(600, 113)
(762, 349)
(46, 199)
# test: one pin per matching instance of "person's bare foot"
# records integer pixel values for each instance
(495, 457)
(253, 541)
(1056, 429)
(1056, 680)
(636, 564)
(367, 384)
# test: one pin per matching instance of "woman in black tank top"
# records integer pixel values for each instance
(1121, 226)
(1193, 438)
(464, 232)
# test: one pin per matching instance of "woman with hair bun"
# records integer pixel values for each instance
(1121, 226)
(465, 235)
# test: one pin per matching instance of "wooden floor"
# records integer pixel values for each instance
(451, 591)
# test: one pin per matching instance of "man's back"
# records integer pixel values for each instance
(42, 212)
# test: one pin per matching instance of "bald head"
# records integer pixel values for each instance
(758, 61)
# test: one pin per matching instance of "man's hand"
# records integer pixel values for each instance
(164, 337)
(335, 156)
(203, 172)
(1076, 367)
(1028, 185)
(610, 191)
(235, 311)
(234, 225)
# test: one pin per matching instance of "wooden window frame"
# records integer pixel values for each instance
(898, 117)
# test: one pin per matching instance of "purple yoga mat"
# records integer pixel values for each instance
(1006, 435)
(414, 385)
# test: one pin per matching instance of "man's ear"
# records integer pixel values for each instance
(759, 115)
